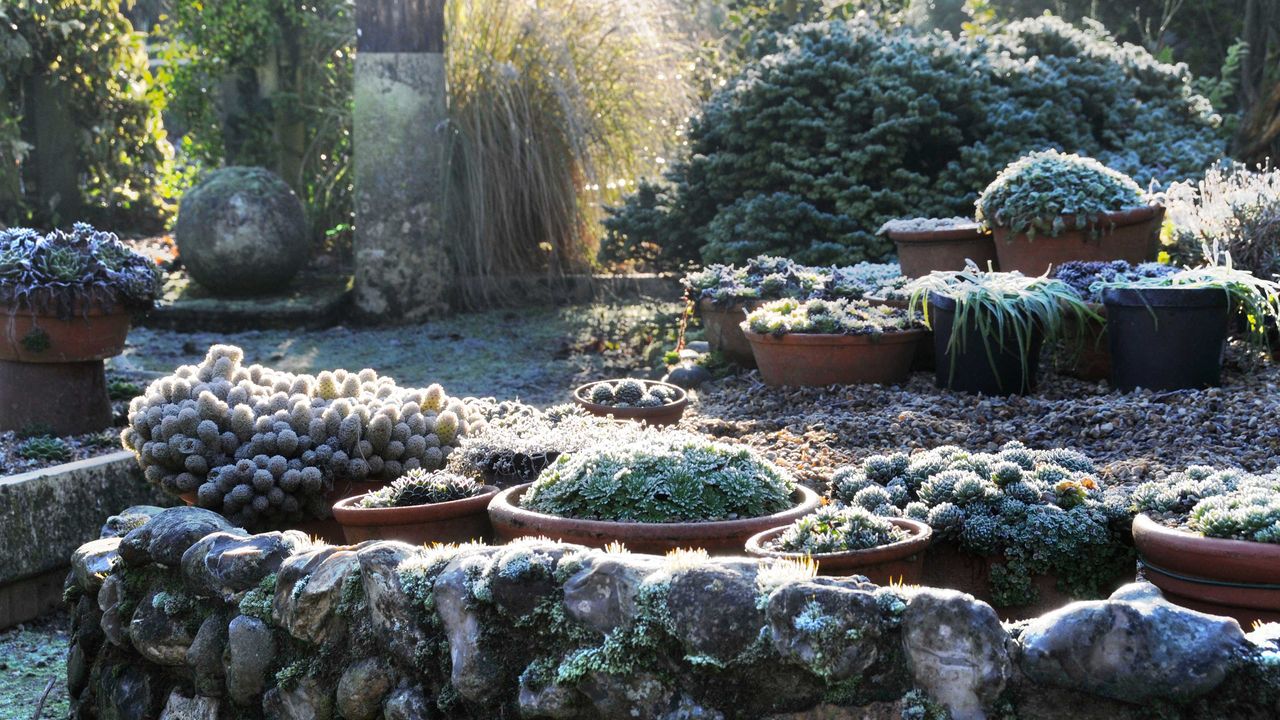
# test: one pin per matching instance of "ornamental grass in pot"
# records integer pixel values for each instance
(420, 507)
(832, 342)
(928, 244)
(846, 540)
(988, 327)
(1210, 540)
(65, 305)
(1025, 530)
(666, 491)
(1085, 352)
(1169, 332)
(648, 401)
(1049, 208)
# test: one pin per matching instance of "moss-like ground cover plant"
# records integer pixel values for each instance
(835, 529)
(1037, 193)
(1089, 278)
(775, 278)
(1003, 307)
(829, 317)
(69, 274)
(1229, 504)
(419, 487)
(664, 477)
(1041, 511)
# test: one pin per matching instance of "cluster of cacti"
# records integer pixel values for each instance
(1042, 511)
(419, 487)
(263, 446)
(834, 529)
(631, 393)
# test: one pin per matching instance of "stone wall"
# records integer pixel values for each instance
(187, 617)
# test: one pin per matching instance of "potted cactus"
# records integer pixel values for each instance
(1168, 332)
(649, 401)
(1088, 356)
(832, 342)
(989, 326)
(928, 244)
(1025, 530)
(1049, 208)
(1210, 540)
(666, 491)
(66, 300)
(846, 540)
(420, 507)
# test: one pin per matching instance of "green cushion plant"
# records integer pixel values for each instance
(1038, 193)
(665, 477)
(1002, 307)
(420, 487)
(1230, 504)
(1039, 511)
(837, 529)
(829, 317)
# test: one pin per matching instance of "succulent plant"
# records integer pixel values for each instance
(66, 274)
(662, 476)
(773, 278)
(419, 487)
(602, 393)
(263, 446)
(1040, 511)
(1229, 503)
(1038, 192)
(829, 317)
(46, 448)
(833, 529)
(630, 393)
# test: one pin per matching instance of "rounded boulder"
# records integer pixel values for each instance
(242, 231)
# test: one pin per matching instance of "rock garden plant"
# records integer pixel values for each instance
(266, 447)
(989, 326)
(1018, 517)
(1210, 538)
(1048, 208)
(419, 507)
(419, 487)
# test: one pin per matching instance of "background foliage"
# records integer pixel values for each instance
(809, 150)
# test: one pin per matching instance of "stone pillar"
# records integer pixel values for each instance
(400, 144)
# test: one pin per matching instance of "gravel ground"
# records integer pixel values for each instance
(30, 657)
(1133, 437)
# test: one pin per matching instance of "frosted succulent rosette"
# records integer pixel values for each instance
(829, 317)
(419, 487)
(834, 529)
(264, 446)
(774, 278)
(1229, 504)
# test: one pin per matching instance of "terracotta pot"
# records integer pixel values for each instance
(947, 566)
(326, 529)
(1235, 578)
(724, 332)
(1085, 354)
(86, 338)
(901, 562)
(922, 252)
(718, 537)
(668, 414)
(1132, 235)
(457, 521)
(817, 360)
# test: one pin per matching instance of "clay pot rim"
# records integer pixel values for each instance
(346, 512)
(1106, 220)
(672, 410)
(1207, 557)
(969, 232)
(506, 506)
(900, 336)
(918, 540)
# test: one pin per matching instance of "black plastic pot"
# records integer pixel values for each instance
(1166, 338)
(971, 369)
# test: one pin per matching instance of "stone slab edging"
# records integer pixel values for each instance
(186, 616)
(46, 514)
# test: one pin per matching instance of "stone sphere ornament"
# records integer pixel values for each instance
(242, 231)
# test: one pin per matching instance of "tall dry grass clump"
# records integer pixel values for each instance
(556, 107)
